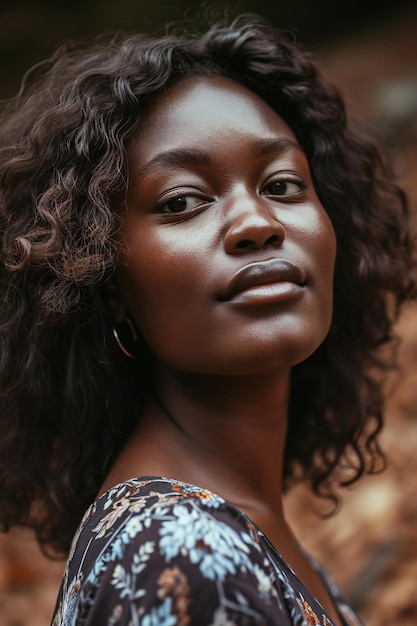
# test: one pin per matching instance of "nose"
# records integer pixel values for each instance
(252, 226)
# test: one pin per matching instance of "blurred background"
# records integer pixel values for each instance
(369, 49)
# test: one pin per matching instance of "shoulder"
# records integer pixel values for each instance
(160, 548)
(175, 522)
(178, 516)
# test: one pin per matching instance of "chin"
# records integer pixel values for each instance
(253, 362)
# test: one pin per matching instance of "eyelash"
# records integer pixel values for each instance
(285, 180)
(201, 201)
(179, 196)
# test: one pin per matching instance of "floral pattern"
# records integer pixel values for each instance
(157, 552)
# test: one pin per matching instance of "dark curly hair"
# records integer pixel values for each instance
(68, 396)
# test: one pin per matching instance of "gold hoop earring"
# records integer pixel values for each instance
(133, 333)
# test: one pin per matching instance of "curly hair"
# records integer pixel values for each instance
(68, 397)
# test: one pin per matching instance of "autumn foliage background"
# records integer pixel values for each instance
(370, 546)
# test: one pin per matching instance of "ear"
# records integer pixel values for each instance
(113, 299)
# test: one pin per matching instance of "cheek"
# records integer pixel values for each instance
(328, 254)
(326, 258)
(164, 295)
(322, 238)
(319, 243)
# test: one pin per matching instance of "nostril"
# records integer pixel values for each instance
(272, 240)
(244, 243)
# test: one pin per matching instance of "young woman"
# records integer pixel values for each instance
(200, 264)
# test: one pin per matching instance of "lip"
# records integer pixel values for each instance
(265, 281)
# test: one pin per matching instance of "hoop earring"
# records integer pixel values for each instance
(133, 333)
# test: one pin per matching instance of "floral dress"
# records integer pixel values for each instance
(157, 552)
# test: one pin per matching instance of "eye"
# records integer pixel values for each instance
(285, 187)
(180, 204)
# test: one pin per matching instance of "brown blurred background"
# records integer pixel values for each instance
(369, 49)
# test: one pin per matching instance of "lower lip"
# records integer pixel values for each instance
(267, 294)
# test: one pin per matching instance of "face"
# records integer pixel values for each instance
(228, 255)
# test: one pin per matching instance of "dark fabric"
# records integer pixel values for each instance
(157, 552)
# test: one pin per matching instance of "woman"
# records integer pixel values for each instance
(174, 213)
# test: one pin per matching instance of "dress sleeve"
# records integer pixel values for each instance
(182, 563)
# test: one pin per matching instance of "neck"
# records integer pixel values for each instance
(228, 432)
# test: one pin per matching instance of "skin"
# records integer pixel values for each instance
(218, 183)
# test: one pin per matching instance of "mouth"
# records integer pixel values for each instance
(265, 281)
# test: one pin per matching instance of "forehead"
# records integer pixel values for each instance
(201, 111)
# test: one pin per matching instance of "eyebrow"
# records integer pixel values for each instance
(184, 157)
(275, 145)
(180, 157)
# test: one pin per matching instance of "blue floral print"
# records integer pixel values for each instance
(158, 552)
(212, 545)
